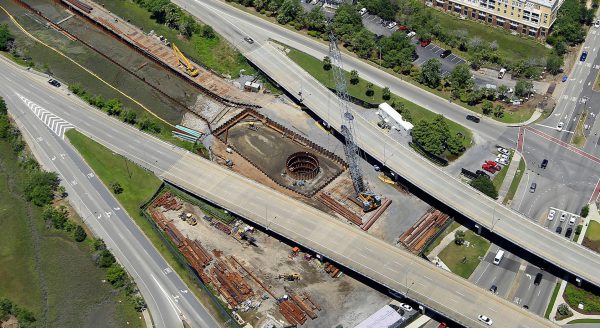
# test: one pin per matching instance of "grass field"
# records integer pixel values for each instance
(47, 272)
(579, 137)
(142, 185)
(510, 47)
(314, 67)
(499, 178)
(463, 260)
(552, 300)
(515, 183)
(584, 321)
(574, 295)
(592, 236)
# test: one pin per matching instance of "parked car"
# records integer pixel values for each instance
(363, 11)
(411, 34)
(538, 279)
(425, 43)
(572, 220)
(445, 53)
(485, 320)
(503, 151)
(494, 289)
(482, 174)
(392, 25)
(473, 118)
(54, 83)
(565, 78)
(597, 24)
(568, 232)
(558, 230)
(583, 56)
(533, 187)
(563, 217)
(403, 27)
(443, 325)
(502, 161)
(551, 215)
(544, 163)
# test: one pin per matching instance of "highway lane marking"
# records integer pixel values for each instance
(58, 125)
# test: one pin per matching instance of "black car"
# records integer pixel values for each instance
(249, 40)
(445, 53)
(538, 279)
(568, 232)
(558, 229)
(494, 289)
(473, 118)
(533, 187)
(482, 174)
(54, 83)
(526, 306)
(544, 164)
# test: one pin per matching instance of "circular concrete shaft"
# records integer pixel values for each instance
(302, 166)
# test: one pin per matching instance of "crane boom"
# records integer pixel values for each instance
(366, 197)
(189, 68)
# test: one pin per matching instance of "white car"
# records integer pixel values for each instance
(485, 320)
(363, 11)
(503, 151)
(503, 156)
(560, 125)
(411, 34)
(392, 25)
(502, 161)
(406, 307)
(551, 215)
(572, 220)
(597, 24)
(563, 217)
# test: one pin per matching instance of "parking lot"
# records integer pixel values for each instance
(561, 222)
(434, 51)
(374, 24)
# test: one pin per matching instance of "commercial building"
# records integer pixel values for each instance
(528, 17)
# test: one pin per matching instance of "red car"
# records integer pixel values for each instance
(402, 27)
(443, 325)
(425, 43)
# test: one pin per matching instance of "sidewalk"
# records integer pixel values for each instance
(421, 320)
(510, 175)
(447, 240)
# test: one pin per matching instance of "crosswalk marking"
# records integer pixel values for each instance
(58, 125)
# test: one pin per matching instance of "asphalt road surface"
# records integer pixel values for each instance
(382, 262)
(509, 224)
(166, 295)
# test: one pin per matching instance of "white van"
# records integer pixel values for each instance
(363, 11)
(498, 257)
(501, 73)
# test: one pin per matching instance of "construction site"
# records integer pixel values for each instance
(270, 140)
(266, 282)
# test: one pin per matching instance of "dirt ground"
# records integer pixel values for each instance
(343, 300)
(269, 150)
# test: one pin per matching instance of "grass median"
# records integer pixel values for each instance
(463, 259)
(314, 67)
(514, 185)
(138, 186)
(592, 236)
(552, 301)
(499, 178)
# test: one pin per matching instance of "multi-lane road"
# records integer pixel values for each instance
(168, 299)
(234, 25)
(395, 268)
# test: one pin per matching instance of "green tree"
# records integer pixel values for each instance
(363, 43)
(172, 15)
(61, 191)
(523, 88)
(432, 135)
(5, 37)
(487, 107)
(326, 63)
(113, 106)
(147, 124)
(386, 94)
(354, 78)
(207, 32)
(585, 211)
(289, 11)
(4, 109)
(79, 234)
(106, 259)
(116, 276)
(502, 91)
(554, 64)
(370, 92)
(485, 185)
(460, 77)
(129, 116)
(116, 187)
(346, 22)
(499, 111)
(431, 73)
(39, 187)
(187, 25)
(98, 244)
(454, 145)
(315, 20)
(459, 237)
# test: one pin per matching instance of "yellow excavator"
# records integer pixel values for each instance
(189, 68)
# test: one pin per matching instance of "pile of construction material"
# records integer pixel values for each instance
(229, 282)
(415, 238)
(339, 208)
(332, 270)
(168, 202)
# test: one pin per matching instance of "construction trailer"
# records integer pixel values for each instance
(391, 117)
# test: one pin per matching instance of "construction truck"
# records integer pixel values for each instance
(289, 276)
(369, 200)
(189, 68)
